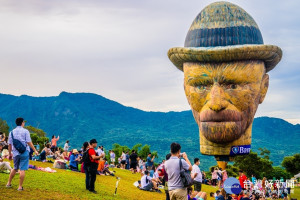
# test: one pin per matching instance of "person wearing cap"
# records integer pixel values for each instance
(21, 160)
(93, 166)
(74, 160)
(225, 65)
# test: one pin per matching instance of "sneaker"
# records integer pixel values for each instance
(94, 191)
(8, 186)
(20, 189)
(158, 191)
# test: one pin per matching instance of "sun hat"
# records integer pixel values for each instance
(75, 151)
(224, 32)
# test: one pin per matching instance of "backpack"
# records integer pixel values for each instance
(86, 158)
(18, 144)
(185, 176)
(220, 175)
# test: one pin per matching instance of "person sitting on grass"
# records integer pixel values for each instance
(74, 160)
(103, 168)
(156, 176)
(195, 195)
(58, 155)
(45, 152)
(3, 165)
(147, 183)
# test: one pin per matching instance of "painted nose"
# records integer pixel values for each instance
(217, 100)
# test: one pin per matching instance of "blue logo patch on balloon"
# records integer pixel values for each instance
(232, 186)
(240, 150)
(235, 150)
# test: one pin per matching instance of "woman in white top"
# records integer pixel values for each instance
(66, 147)
(123, 161)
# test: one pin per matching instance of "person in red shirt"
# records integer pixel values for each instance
(92, 168)
(242, 179)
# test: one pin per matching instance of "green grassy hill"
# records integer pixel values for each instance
(69, 185)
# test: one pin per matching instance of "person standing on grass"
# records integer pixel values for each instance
(66, 146)
(93, 166)
(133, 161)
(54, 143)
(112, 157)
(150, 161)
(123, 160)
(127, 160)
(177, 191)
(21, 160)
(86, 147)
(197, 175)
(242, 179)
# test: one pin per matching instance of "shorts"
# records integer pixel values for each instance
(133, 165)
(123, 162)
(148, 187)
(22, 161)
(197, 186)
(112, 160)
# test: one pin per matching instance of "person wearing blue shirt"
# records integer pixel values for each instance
(127, 160)
(150, 161)
(37, 146)
(253, 179)
(21, 160)
(74, 160)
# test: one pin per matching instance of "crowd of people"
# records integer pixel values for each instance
(91, 159)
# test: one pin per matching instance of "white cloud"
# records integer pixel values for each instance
(118, 49)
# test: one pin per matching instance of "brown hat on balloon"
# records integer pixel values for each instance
(224, 32)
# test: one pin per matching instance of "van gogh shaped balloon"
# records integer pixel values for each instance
(225, 65)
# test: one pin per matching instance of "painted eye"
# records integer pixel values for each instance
(233, 86)
(201, 87)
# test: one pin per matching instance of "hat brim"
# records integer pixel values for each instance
(270, 54)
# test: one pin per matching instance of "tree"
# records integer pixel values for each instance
(4, 127)
(252, 164)
(37, 131)
(292, 164)
(264, 153)
(137, 147)
(279, 173)
(143, 153)
(118, 149)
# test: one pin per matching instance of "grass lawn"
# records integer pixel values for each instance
(296, 193)
(71, 185)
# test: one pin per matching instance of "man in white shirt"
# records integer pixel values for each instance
(147, 183)
(197, 175)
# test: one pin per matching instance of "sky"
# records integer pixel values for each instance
(118, 49)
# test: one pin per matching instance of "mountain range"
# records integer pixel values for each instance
(78, 117)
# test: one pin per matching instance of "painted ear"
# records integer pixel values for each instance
(264, 87)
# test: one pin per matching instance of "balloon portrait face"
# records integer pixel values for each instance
(224, 96)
